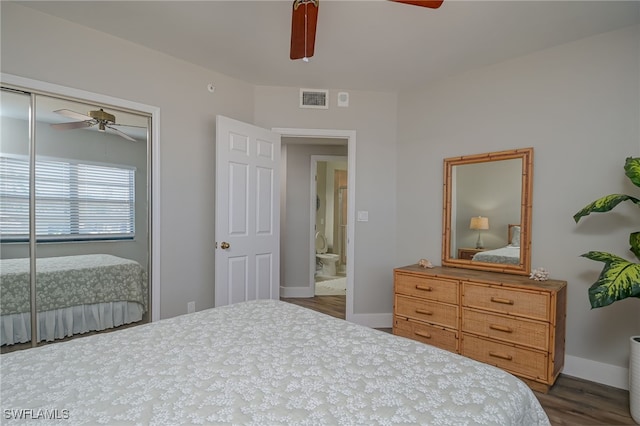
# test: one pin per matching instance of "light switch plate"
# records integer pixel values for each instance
(363, 216)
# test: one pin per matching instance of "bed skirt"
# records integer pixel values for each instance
(61, 323)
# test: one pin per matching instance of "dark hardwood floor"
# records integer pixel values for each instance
(571, 401)
(330, 305)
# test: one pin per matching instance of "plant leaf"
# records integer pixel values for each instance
(604, 204)
(632, 170)
(618, 280)
(634, 241)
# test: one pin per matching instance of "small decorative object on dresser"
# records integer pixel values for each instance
(501, 319)
(539, 274)
(425, 263)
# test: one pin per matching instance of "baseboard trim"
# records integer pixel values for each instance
(595, 371)
(373, 320)
(296, 292)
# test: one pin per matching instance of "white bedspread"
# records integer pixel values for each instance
(259, 363)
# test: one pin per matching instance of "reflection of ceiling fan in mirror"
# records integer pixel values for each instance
(103, 119)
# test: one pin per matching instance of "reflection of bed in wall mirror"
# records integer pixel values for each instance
(487, 211)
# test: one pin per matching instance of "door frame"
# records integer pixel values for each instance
(312, 208)
(42, 87)
(350, 136)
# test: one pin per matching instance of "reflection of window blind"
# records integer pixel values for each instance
(76, 201)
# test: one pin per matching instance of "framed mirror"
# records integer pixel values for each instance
(487, 211)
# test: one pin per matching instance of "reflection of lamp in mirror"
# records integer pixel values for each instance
(479, 223)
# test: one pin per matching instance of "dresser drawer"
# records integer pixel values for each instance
(430, 288)
(425, 333)
(520, 331)
(425, 310)
(527, 363)
(523, 303)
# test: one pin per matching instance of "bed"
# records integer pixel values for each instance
(75, 294)
(509, 254)
(256, 363)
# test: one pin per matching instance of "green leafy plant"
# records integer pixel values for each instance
(619, 278)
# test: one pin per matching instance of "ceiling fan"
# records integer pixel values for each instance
(103, 119)
(305, 17)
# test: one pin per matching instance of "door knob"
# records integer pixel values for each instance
(225, 245)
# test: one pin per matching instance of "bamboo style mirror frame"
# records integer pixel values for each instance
(498, 187)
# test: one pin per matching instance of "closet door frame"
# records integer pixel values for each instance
(33, 88)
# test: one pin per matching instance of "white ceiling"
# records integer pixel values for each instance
(366, 44)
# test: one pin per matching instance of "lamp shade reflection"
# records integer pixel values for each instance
(479, 223)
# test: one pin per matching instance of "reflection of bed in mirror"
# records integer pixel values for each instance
(75, 294)
(509, 254)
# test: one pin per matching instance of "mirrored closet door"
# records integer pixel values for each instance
(74, 218)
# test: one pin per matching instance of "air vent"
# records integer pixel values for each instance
(314, 98)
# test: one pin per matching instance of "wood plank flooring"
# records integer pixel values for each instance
(570, 401)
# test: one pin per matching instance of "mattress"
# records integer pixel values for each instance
(257, 363)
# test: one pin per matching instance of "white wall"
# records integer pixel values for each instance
(578, 105)
(373, 116)
(37, 46)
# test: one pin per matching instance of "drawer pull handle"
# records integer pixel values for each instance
(422, 334)
(423, 288)
(424, 312)
(501, 356)
(503, 301)
(501, 328)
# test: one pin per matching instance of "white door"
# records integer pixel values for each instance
(247, 223)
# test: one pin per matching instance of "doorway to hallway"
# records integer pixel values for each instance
(298, 263)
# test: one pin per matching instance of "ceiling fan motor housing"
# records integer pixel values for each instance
(103, 116)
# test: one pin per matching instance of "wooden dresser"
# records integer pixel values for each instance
(505, 320)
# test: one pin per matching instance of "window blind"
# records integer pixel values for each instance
(74, 200)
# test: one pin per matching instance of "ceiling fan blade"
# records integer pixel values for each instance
(127, 125)
(432, 4)
(121, 134)
(303, 28)
(74, 125)
(73, 114)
